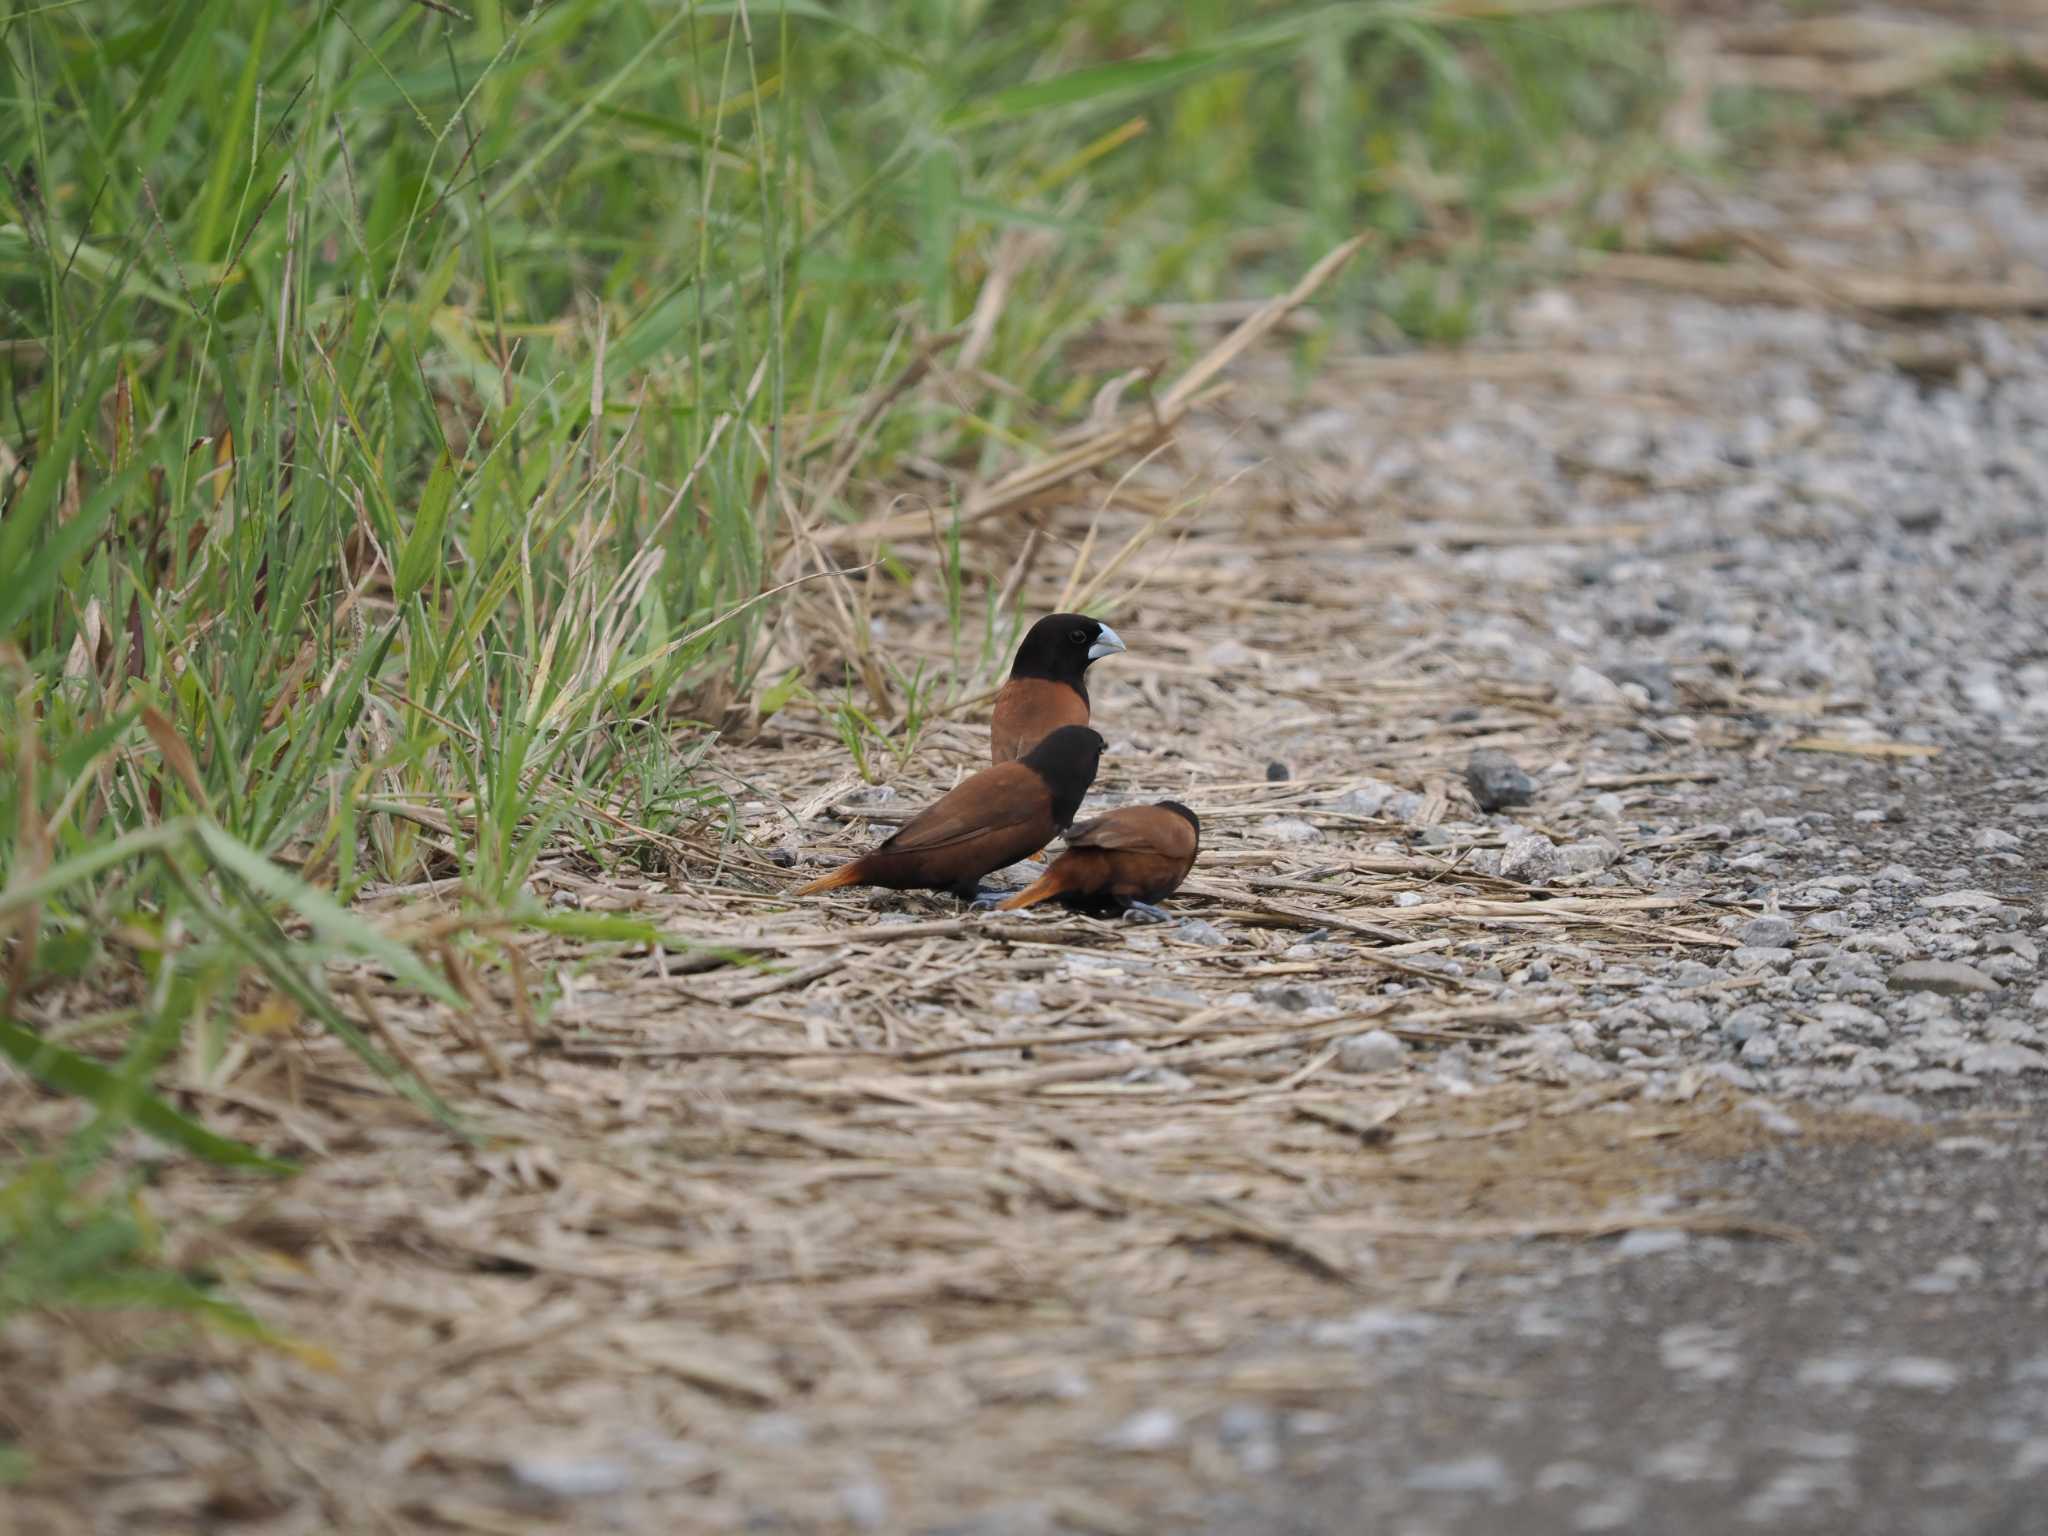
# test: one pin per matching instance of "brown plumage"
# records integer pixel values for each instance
(1130, 857)
(1000, 815)
(1048, 684)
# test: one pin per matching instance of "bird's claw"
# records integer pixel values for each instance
(1145, 912)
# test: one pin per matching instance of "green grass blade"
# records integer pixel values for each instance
(83, 1078)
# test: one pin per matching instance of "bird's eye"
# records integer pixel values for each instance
(1080, 637)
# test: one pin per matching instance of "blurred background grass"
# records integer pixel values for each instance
(401, 402)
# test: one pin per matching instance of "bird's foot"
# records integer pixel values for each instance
(1145, 912)
(982, 901)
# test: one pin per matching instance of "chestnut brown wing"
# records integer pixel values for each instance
(1137, 828)
(995, 800)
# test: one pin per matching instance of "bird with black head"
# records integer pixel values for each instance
(1048, 684)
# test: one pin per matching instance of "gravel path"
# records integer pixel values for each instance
(1846, 524)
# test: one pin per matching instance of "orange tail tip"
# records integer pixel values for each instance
(845, 874)
(1044, 888)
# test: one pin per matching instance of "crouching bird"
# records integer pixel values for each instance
(1000, 815)
(1121, 862)
(1048, 685)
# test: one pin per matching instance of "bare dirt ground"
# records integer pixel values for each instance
(1649, 1155)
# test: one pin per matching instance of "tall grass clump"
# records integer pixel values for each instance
(401, 405)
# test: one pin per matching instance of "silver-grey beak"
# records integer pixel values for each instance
(1106, 644)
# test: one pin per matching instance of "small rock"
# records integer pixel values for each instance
(1373, 1051)
(1497, 780)
(1653, 677)
(1746, 1023)
(1290, 829)
(1019, 1001)
(1531, 859)
(2013, 943)
(1770, 931)
(1366, 800)
(1618, 1509)
(2002, 1059)
(1679, 1013)
(782, 1430)
(1149, 1429)
(572, 1477)
(1589, 855)
(1227, 655)
(1244, 1421)
(1585, 686)
(1833, 1373)
(1759, 1051)
(1886, 1106)
(866, 1503)
(1975, 901)
(1481, 1474)
(1918, 1373)
(1752, 957)
(1952, 1274)
(1276, 772)
(1295, 996)
(1646, 1242)
(1404, 806)
(1607, 805)
(1771, 1117)
(1994, 840)
(1951, 978)
(1192, 930)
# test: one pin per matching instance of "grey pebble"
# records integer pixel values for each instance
(1531, 859)
(2013, 943)
(1745, 1023)
(1295, 996)
(1149, 1429)
(1583, 685)
(1653, 677)
(1590, 855)
(1949, 977)
(571, 1477)
(1886, 1106)
(1290, 829)
(1481, 1474)
(1497, 780)
(866, 1503)
(1770, 931)
(1373, 1051)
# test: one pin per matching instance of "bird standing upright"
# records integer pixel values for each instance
(1000, 815)
(1124, 860)
(1048, 684)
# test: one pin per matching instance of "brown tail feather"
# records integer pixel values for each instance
(845, 874)
(1048, 885)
